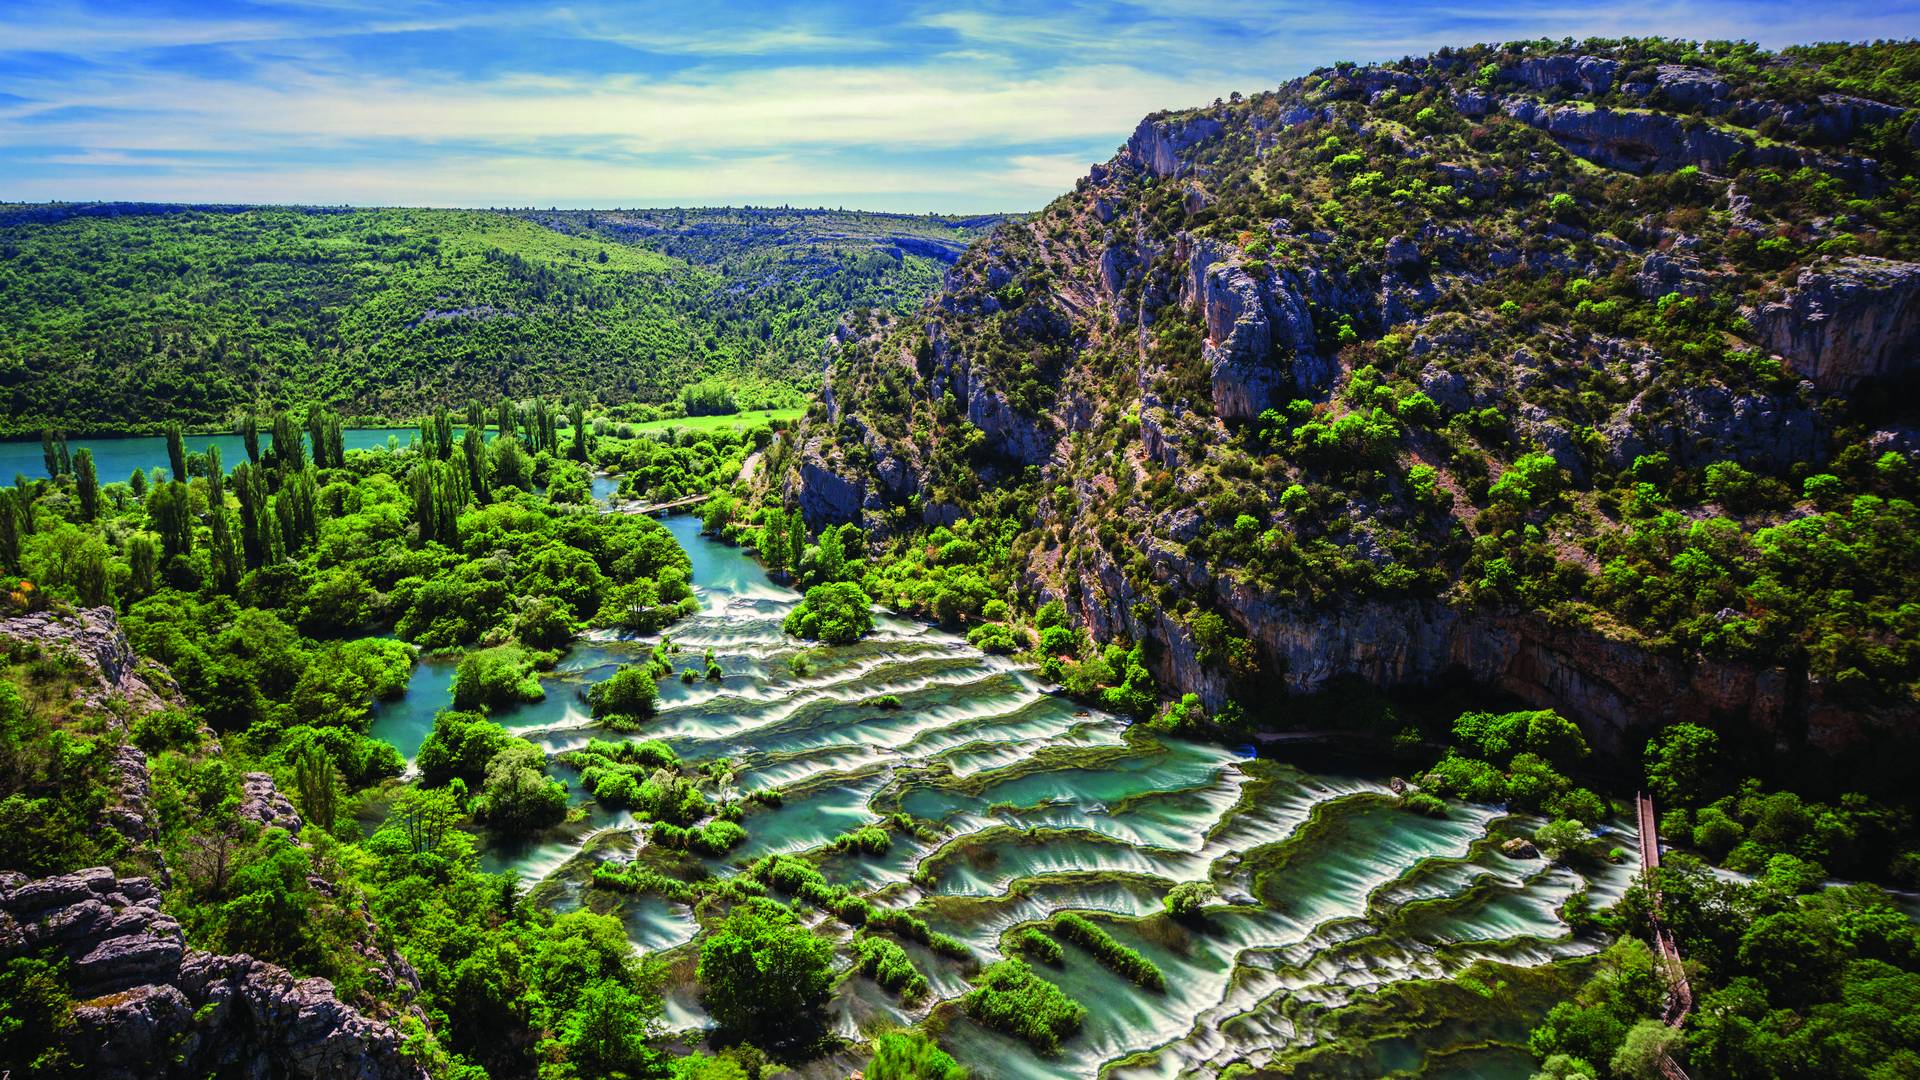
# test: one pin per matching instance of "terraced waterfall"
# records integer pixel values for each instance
(1328, 890)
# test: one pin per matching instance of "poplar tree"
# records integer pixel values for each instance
(142, 559)
(297, 506)
(504, 418)
(171, 510)
(177, 451)
(138, 482)
(223, 554)
(288, 451)
(773, 540)
(796, 539)
(474, 446)
(89, 485)
(216, 477)
(578, 418)
(12, 509)
(250, 486)
(250, 437)
(436, 434)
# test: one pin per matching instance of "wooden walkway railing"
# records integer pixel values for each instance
(1679, 992)
(659, 508)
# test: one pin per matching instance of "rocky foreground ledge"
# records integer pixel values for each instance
(146, 1005)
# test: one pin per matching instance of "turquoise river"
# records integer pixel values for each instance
(1329, 891)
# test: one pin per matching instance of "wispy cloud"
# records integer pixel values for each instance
(970, 105)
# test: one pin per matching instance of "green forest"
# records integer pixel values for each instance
(121, 318)
(1265, 614)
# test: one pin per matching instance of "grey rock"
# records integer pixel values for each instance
(262, 802)
(1689, 87)
(1661, 274)
(152, 1007)
(1848, 321)
(1160, 146)
(1519, 847)
(1403, 254)
(1581, 74)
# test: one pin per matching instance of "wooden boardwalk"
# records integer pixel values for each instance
(659, 508)
(1679, 993)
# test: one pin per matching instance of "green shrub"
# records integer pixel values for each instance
(1121, 958)
(630, 692)
(1009, 996)
(837, 613)
(492, 678)
(888, 964)
(1031, 941)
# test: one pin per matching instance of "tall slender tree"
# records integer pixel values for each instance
(315, 777)
(177, 451)
(796, 539)
(250, 437)
(504, 418)
(216, 477)
(289, 450)
(171, 510)
(12, 506)
(88, 484)
(223, 555)
(473, 446)
(137, 481)
(773, 540)
(298, 506)
(577, 416)
(436, 435)
(142, 559)
(250, 487)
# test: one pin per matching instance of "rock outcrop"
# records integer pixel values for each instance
(262, 803)
(1848, 321)
(93, 637)
(1160, 146)
(148, 1006)
(118, 684)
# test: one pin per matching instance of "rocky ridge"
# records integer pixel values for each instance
(146, 1005)
(1102, 280)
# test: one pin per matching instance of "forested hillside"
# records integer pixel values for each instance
(1577, 370)
(123, 317)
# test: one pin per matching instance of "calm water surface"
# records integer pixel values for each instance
(115, 458)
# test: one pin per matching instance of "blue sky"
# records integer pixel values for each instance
(951, 106)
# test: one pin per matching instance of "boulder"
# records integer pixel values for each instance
(262, 802)
(1519, 847)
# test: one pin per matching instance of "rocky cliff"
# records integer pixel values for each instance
(1273, 360)
(145, 1003)
(148, 1006)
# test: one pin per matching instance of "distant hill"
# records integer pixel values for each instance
(122, 316)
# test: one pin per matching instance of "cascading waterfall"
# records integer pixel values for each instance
(1042, 806)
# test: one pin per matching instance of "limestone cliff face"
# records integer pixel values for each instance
(148, 1006)
(1848, 321)
(1196, 236)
